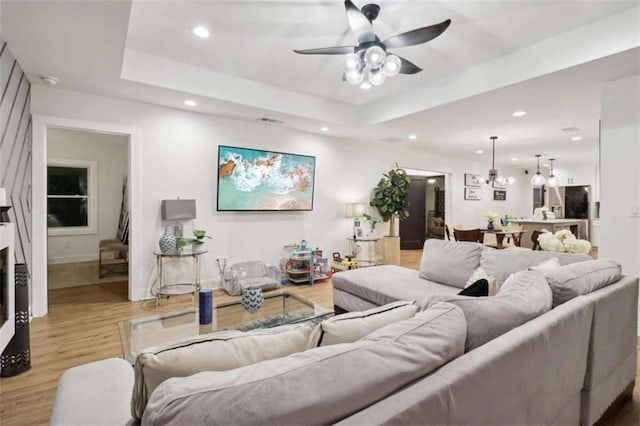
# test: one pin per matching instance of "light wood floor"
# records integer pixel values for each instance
(82, 327)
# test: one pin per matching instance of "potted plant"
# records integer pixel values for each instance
(391, 198)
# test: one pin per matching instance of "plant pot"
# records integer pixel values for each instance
(391, 250)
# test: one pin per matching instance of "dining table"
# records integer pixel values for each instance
(516, 234)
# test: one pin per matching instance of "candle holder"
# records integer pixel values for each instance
(4, 214)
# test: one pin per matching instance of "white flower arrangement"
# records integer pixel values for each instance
(491, 216)
(563, 242)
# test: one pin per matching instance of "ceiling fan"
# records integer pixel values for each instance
(370, 53)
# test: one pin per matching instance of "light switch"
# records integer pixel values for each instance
(635, 210)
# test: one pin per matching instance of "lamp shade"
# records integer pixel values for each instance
(538, 179)
(178, 209)
(354, 209)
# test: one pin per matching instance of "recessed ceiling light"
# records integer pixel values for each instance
(514, 159)
(479, 151)
(189, 102)
(324, 129)
(413, 137)
(201, 32)
(519, 113)
(576, 138)
(365, 85)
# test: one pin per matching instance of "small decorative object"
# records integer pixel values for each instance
(205, 303)
(563, 242)
(491, 216)
(544, 212)
(168, 242)
(372, 221)
(252, 299)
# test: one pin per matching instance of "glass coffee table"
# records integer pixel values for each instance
(279, 308)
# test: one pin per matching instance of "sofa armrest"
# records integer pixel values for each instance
(98, 393)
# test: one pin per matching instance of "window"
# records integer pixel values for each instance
(72, 197)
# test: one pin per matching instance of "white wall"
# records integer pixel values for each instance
(111, 154)
(620, 173)
(179, 156)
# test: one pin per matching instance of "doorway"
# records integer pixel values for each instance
(41, 126)
(86, 206)
(427, 210)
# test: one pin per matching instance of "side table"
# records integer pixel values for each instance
(172, 289)
(372, 258)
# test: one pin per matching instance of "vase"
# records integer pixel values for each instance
(252, 299)
(490, 226)
(168, 242)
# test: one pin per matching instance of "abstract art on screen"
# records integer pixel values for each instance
(253, 180)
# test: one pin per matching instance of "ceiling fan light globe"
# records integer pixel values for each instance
(377, 77)
(352, 61)
(538, 179)
(374, 57)
(354, 76)
(391, 66)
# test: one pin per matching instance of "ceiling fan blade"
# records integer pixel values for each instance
(360, 25)
(417, 36)
(407, 67)
(336, 50)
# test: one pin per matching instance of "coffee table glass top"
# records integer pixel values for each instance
(279, 308)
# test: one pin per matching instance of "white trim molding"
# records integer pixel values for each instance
(39, 218)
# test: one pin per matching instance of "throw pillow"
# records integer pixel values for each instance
(581, 278)
(352, 326)
(524, 296)
(218, 351)
(480, 273)
(546, 266)
(478, 289)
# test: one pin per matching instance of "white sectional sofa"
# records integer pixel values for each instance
(549, 349)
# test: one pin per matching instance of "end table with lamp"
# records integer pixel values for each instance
(166, 289)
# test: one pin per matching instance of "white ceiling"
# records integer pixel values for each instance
(549, 58)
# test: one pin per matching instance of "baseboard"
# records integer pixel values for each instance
(73, 259)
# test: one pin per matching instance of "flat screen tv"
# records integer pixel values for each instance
(257, 180)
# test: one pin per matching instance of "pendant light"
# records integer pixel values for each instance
(493, 173)
(552, 181)
(538, 179)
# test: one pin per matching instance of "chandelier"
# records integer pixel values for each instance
(493, 172)
(538, 179)
(372, 62)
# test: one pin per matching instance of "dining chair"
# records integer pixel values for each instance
(472, 235)
(534, 240)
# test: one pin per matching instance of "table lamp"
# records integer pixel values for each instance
(355, 211)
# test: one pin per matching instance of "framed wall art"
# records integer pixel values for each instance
(499, 195)
(472, 180)
(257, 180)
(472, 194)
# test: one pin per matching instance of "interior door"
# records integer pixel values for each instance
(413, 228)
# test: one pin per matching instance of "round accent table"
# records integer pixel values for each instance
(165, 289)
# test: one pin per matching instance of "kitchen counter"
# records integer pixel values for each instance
(578, 227)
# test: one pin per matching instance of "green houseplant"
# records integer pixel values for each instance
(391, 197)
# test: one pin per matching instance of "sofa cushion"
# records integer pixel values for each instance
(349, 327)
(212, 352)
(576, 279)
(448, 262)
(388, 283)
(298, 389)
(525, 295)
(502, 263)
